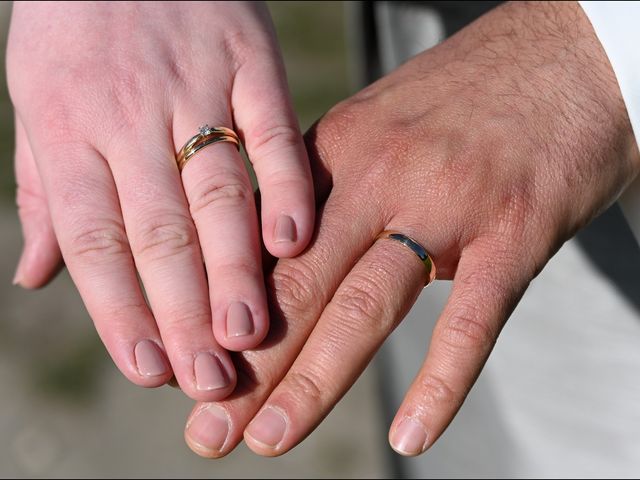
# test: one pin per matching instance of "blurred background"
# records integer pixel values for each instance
(64, 409)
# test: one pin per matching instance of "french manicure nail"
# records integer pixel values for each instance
(209, 428)
(210, 374)
(268, 427)
(150, 360)
(285, 229)
(239, 320)
(410, 437)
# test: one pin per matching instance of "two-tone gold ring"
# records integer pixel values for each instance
(205, 137)
(416, 248)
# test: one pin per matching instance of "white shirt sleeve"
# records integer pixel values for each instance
(617, 25)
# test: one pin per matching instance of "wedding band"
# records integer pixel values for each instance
(416, 248)
(206, 136)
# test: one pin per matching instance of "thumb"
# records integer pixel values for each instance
(41, 258)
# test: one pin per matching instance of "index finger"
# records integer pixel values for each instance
(300, 290)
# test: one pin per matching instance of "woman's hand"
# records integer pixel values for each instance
(491, 150)
(105, 94)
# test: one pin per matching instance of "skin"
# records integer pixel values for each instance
(491, 150)
(105, 94)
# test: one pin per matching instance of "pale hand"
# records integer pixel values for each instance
(105, 95)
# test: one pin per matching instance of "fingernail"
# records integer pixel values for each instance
(268, 427)
(239, 321)
(173, 383)
(285, 229)
(149, 359)
(209, 428)
(17, 278)
(410, 438)
(210, 374)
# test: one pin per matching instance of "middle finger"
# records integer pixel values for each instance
(167, 254)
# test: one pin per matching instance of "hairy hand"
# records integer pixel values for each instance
(491, 150)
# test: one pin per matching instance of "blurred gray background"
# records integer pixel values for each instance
(64, 409)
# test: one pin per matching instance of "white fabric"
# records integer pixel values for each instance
(617, 25)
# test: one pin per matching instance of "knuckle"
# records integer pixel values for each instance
(519, 210)
(360, 306)
(164, 236)
(103, 241)
(238, 268)
(115, 101)
(492, 278)
(242, 46)
(385, 166)
(395, 149)
(329, 139)
(181, 317)
(437, 392)
(30, 199)
(265, 141)
(60, 124)
(237, 47)
(219, 192)
(305, 386)
(124, 315)
(521, 234)
(465, 332)
(281, 189)
(295, 288)
(125, 94)
(332, 129)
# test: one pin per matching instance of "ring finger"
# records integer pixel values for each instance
(365, 309)
(221, 202)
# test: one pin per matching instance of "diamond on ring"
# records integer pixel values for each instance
(206, 136)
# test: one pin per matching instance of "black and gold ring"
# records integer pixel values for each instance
(416, 248)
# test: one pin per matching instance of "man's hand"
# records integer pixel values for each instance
(491, 150)
(105, 95)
